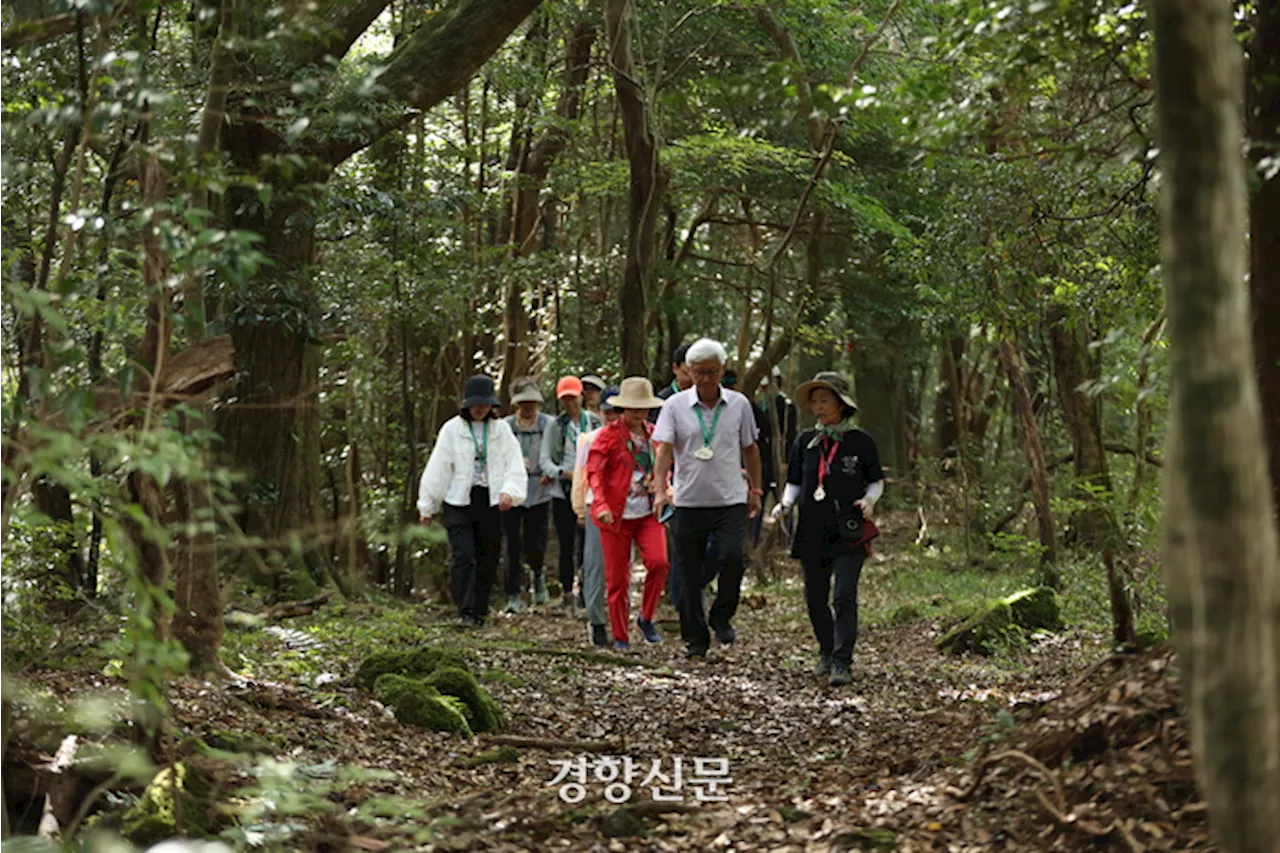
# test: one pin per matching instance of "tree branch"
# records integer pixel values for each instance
(437, 60)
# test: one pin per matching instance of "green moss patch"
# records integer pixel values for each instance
(415, 663)
(416, 703)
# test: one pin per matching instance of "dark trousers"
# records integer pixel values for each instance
(693, 528)
(475, 538)
(835, 624)
(567, 533)
(526, 530)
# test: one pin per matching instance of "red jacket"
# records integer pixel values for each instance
(609, 468)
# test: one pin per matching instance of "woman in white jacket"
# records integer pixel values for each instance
(475, 473)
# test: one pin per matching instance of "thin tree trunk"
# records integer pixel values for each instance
(1220, 537)
(647, 185)
(1143, 415)
(1074, 367)
(1035, 462)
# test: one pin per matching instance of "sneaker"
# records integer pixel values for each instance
(823, 669)
(599, 636)
(840, 675)
(651, 634)
(515, 604)
(725, 634)
(540, 590)
(478, 621)
(621, 646)
(466, 621)
(696, 653)
(567, 605)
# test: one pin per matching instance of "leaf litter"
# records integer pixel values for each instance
(921, 752)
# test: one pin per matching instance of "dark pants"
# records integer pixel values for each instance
(567, 533)
(532, 545)
(693, 528)
(835, 624)
(475, 538)
(710, 567)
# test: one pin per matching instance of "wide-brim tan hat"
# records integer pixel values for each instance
(636, 392)
(833, 382)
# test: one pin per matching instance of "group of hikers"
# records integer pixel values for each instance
(679, 476)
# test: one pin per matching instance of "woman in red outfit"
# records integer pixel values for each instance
(620, 471)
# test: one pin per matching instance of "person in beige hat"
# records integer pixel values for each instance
(620, 471)
(526, 526)
(835, 477)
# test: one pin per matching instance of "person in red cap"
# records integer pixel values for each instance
(559, 452)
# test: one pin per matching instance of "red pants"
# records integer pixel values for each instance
(651, 538)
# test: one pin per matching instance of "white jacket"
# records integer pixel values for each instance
(447, 477)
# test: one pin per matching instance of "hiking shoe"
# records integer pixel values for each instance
(840, 675)
(651, 634)
(515, 604)
(621, 646)
(599, 637)
(466, 621)
(567, 605)
(539, 590)
(725, 633)
(696, 653)
(823, 669)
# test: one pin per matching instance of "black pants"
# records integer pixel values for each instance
(531, 521)
(567, 533)
(693, 528)
(475, 538)
(835, 624)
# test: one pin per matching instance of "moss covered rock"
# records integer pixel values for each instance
(1004, 621)
(247, 742)
(176, 802)
(497, 755)
(982, 632)
(415, 663)
(417, 703)
(482, 713)
(1036, 609)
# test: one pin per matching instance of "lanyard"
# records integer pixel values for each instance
(675, 386)
(824, 461)
(482, 453)
(582, 422)
(641, 457)
(708, 434)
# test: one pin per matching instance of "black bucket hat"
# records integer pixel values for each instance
(833, 382)
(478, 391)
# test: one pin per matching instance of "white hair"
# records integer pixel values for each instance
(705, 349)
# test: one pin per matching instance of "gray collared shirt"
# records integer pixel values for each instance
(717, 481)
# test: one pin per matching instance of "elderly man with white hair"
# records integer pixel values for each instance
(709, 433)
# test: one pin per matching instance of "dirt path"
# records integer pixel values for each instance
(812, 767)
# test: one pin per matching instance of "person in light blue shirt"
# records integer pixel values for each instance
(526, 527)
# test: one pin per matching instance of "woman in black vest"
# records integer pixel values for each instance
(834, 474)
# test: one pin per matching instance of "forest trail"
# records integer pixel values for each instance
(881, 764)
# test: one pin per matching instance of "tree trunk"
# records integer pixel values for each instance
(1262, 100)
(272, 429)
(1143, 416)
(1220, 535)
(53, 499)
(648, 183)
(1035, 462)
(1075, 367)
(197, 595)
